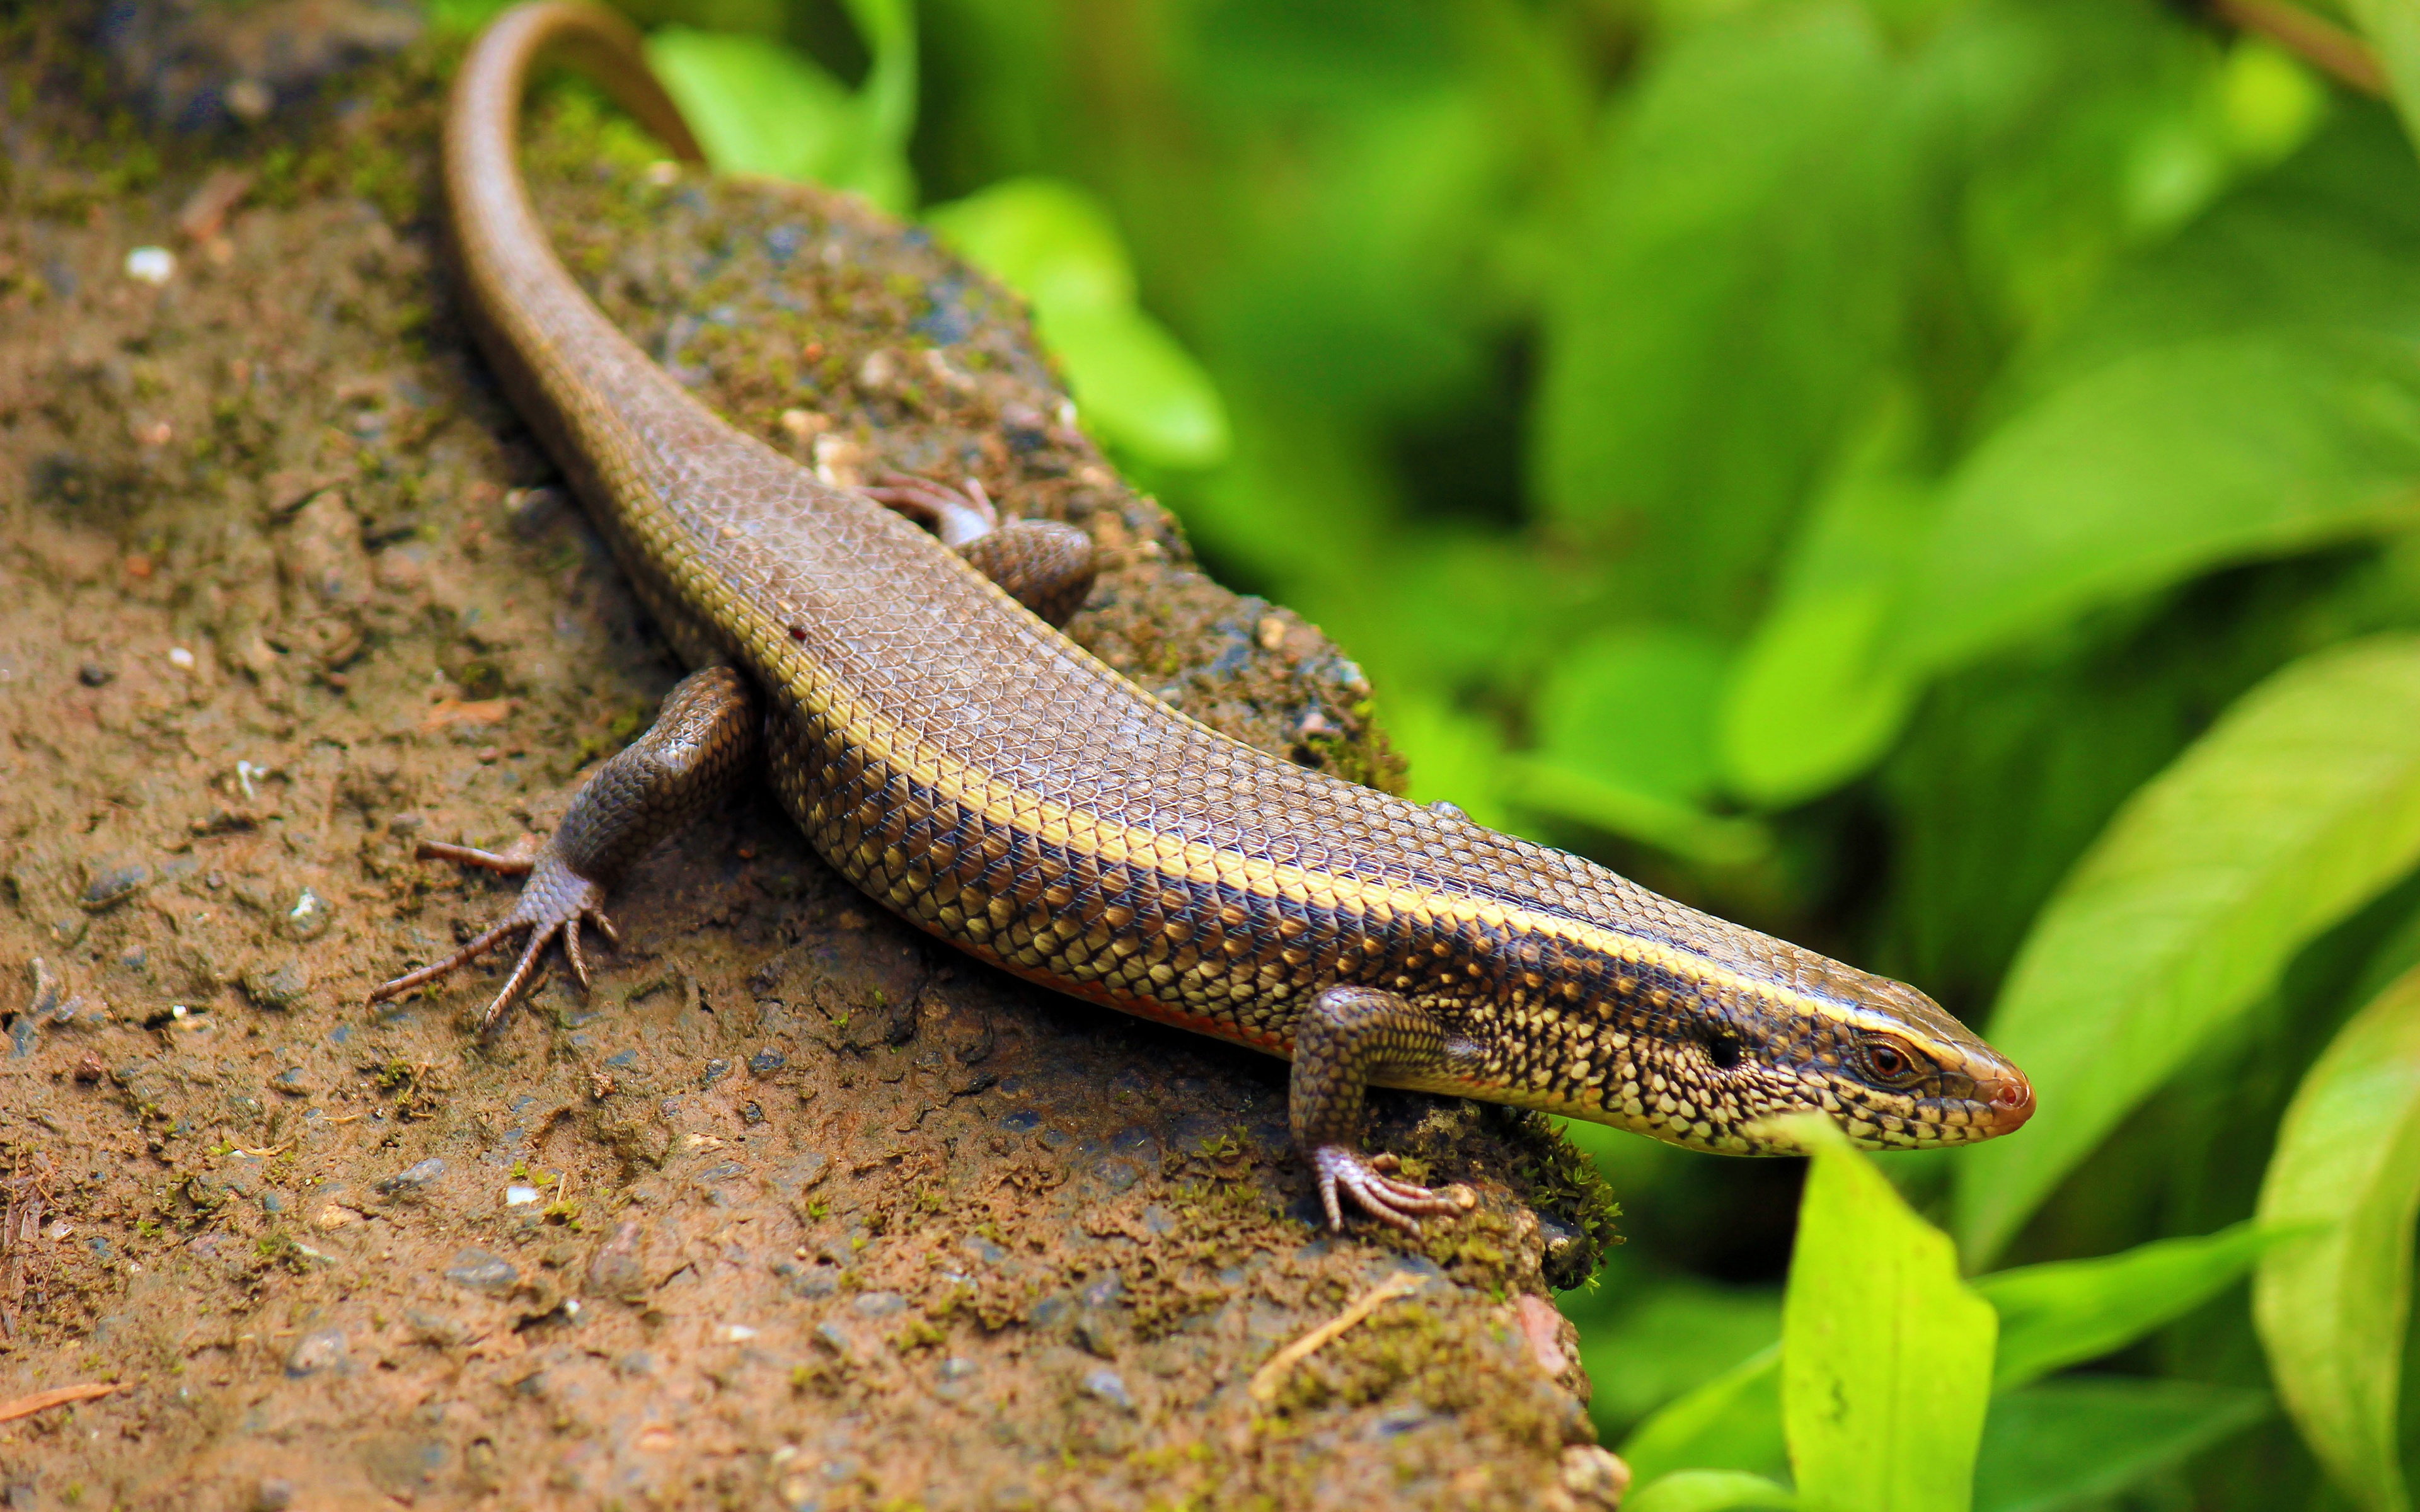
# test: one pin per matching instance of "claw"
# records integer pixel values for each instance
(571, 950)
(1396, 1204)
(553, 900)
(513, 983)
(956, 517)
(511, 866)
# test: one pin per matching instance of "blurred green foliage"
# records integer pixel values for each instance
(1938, 480)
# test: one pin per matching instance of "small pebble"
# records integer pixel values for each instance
(519, 1197)
(414, 1177)
(1111, 1387)
(114, 885)
(615, 1270)
(249, 100)
(93, 675)
(435, 1328)
(315, 1353)
(479, 1271)
(180, 658)
(151, 265)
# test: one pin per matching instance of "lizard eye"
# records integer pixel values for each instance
(1891, 1062)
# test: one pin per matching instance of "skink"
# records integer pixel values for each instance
(954, 756)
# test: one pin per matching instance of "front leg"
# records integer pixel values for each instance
(1345, 1039)
(701, 745)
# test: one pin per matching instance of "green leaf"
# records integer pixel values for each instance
(1813, 697)
(1055, 243)
(2300, 805)
(1711, 1490)
(1626, 743)
(1730, 292)
(2325, 241)
(757, 106)
(2063, 1444)
(1635, 706)
(1138, 386)
(2393, 28)
(887, 97)
(1549, 785)
(1886, 1354)
(2330, 1306)
(2070, 1311)
(760, 106)
(1648, 1341)
(1732, 1422)
(2161, 465)
(1454, 757)
(1048, 238)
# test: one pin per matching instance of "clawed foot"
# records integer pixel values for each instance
(1366, 1180)
(957, 518)
(554, 900)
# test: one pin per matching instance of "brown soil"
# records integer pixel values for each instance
(798, 1209)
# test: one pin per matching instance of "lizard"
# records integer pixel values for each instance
(954, 755)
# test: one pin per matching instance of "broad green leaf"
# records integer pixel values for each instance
(1635, 706)
(2332, 1306)
(1454, 757)
(2300, 805)
(2066, 1312)
(756, 105)
(1625, 725)
(2325, 241)
(1813, 697)
(1711, 1490)
(2393, 28)
(1551, 785)
(1136, 385)
(760, 106)
(1054, 244)
(1646, 1342)
(2065, 1444)
(1886, 1354)
(887, 97)
(1048, 238)
(2164, 464)
(465, 15)
(1730, 294)
(1732, 1422)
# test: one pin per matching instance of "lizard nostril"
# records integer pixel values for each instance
(2012, 1098)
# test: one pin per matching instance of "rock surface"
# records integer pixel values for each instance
(800, 1209)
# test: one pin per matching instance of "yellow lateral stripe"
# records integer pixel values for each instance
(885, 740)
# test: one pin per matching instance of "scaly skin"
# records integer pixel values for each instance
(970, 769)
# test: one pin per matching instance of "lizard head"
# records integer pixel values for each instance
(1703, 1053)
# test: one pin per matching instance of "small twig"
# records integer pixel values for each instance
(1268, 1377)
(43, 1401)
(2315, 39)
